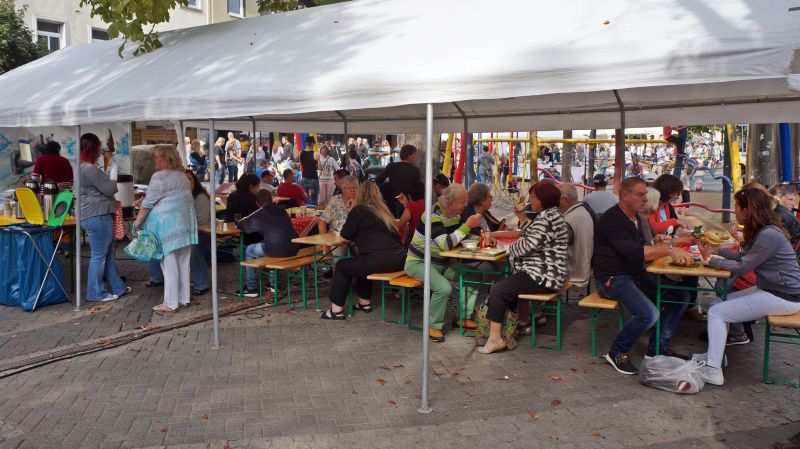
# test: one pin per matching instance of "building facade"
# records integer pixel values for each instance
(63, 23)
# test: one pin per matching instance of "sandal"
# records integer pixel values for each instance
(163, 308)
(492, 346)
(329, 315)
(198, 292)
(366, 308)
(153, 284)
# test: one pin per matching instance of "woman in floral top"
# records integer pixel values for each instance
(335, 213)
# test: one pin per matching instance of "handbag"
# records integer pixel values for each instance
(508, 332)
(119, 229)
(143, 247)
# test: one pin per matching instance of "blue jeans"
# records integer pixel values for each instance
(220, 175)
(100, 233)
(233, 173)
(634, 294)
(253, 251)
(197, 265)
(311, 185)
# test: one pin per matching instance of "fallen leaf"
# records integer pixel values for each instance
(553, 437)
(354, 391)
(385, 368)
(398, 366)
(777, 411)
(204, 416)
(555, 378)
(534, 415)
(788, 363)
(597, 435)
(555, 402)
(573, 369)
(226, 446)
(381, 381)
(392, 402)
(163, 429)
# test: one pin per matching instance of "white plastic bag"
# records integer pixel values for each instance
(671, 374)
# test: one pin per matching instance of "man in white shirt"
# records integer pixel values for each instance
(580, 232)
(600, 200)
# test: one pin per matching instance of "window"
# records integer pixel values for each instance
(50, 34)
(98, 35)
(236, 8)
(195, 4)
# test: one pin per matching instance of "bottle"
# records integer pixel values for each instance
(484, 239)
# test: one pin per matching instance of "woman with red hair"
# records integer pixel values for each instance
(538, 260)
(97, 217)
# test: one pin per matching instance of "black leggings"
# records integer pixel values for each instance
(359, 268)
(503, 294)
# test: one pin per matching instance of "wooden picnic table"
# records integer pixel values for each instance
(318, 240)
(662, 267)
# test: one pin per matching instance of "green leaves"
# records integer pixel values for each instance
(129, 18)
(17, 46)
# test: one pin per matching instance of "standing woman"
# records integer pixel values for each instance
(539, 261)
(97, 209)
(167, 212)
(372, 228)
(768, 253)
(202, 212)
(198, 160)
(233, 149)
(327, 165)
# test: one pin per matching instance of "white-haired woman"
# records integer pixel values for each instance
(167, 212)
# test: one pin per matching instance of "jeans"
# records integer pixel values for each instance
(233, 173)
(311, 185)
(100, 233)
(220, 175)
(197, 265)
(745, 305)
(253, 251)
(634, 294)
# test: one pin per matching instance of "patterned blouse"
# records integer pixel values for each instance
(335, 213)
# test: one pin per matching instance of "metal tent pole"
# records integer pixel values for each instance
(76, 190)
(424, 407)
(213, 212)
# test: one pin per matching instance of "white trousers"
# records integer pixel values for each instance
(175, 266)
(326, 188)
(746, 305)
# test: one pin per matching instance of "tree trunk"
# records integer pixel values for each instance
(418, 140)
(566, 158)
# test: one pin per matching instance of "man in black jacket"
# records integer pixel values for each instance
(275, 226)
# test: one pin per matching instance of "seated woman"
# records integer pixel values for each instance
(768, 253)
(479, 201)
(372, 228)
(335, 213)
(539, 261)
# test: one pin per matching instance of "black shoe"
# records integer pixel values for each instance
(622, 363)
(734, 340)
(248, 293)
(668, 351)
(748, 329)
(703, 336)
(524, 329)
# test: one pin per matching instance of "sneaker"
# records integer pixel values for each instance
(734, 340)
(125, 292)
(524, 329)
(108, 297)
(622, 363)
(710, 374)
(668, 351)
(541, 320)
(248, 293)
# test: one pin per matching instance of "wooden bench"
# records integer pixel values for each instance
(599, 305)
(383, 278)
(276, 264)
(550, 304)
(406, 282)
(772, 336)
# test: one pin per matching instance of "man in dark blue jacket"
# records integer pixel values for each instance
(275, 227)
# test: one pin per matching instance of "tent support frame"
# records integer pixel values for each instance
(619, 136)
(212, 186)
(426, 295)
(76, 188)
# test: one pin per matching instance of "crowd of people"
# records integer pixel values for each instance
(605, 237)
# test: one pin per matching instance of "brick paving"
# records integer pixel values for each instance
(285, 379)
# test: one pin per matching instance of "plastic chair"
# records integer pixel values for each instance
(33, 214)
(30, 205)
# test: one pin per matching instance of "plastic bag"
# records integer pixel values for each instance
(143, 247)
(671, 374)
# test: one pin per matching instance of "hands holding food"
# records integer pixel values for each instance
(681, 257)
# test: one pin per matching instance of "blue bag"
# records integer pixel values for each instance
(22, 269)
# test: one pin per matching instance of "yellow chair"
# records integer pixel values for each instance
(30, 205)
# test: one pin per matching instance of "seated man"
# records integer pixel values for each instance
(580, 236)
(274, 225)
(601, 199)
(619, 257)
(288, 189)
(266, 182)
(447, 232)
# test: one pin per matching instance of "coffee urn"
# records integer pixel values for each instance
(125, 194)
(49, 194)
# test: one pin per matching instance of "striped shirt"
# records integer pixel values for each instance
(447, 233)
(541, 250)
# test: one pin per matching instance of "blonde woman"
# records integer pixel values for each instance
(327, 165)
(167, 212)
(373, 230)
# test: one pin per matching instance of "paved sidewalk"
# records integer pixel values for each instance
(285, 379)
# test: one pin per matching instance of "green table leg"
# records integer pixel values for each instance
(316, 284)
(241, 268)
(658, 310)
(461, 300)
(275, 288)
(383, 301)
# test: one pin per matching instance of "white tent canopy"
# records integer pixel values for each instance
(374, 64)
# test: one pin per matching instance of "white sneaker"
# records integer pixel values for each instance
(710, 374)
(108, 298)
(700, 357)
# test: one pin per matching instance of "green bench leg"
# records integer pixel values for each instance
(303, 285)
(547, 311)
(383, 301)
(275, 288)
(558, 324)
(767, 335)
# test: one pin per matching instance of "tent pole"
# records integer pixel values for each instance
(424, 407)
(76, 189)
(619, 154)
(213, 212)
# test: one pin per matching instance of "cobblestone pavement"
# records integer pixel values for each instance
(285, 379)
